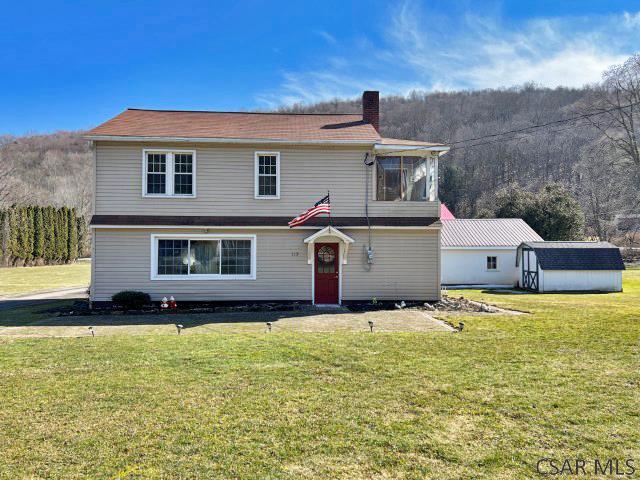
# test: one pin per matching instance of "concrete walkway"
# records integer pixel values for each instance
(36, 298)
(301, 321)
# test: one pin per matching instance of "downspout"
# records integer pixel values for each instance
(368, 252)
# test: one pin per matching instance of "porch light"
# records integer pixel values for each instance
(371, 326)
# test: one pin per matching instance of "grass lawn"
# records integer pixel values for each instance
(562, 382)
(16, 281)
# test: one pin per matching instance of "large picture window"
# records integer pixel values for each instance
(168, 173)
(203, 257)
(403, 178)
(267, 175)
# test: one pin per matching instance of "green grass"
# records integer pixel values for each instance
(563, 382)
(15, 281)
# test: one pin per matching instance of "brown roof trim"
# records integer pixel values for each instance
(246, 221)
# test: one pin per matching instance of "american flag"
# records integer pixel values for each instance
(322, 206)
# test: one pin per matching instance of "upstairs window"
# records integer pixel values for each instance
(169, 173)
(409, 179)
(267, 175)
(157, 173)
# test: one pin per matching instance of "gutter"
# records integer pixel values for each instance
(378, 147)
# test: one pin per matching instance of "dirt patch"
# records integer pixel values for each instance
(446, 304)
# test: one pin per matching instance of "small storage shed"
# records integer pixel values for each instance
(482, 251)
(570, 266)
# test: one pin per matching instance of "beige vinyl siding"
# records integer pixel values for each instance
(406, 267)
(225, 182)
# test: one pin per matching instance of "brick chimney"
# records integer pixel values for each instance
(371, 108)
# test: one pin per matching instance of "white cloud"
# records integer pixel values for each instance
(327, 36)
(631, 20)
(423, 51)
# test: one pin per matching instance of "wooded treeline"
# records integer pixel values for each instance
(596, 157)
(50, 169)
(33, 235)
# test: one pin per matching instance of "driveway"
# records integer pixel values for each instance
(7, 303)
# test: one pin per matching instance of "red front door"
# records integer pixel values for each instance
(327, 271)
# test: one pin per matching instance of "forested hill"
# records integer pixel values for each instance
(52, 169)
(55, 169)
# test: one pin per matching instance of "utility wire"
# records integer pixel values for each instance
(510, 139)
(575, 118)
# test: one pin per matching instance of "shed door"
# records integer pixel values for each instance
(530, 270)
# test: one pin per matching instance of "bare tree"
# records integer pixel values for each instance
(598, 185)
(7, 179)
(614, 110)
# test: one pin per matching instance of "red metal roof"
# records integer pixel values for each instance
(445, 213)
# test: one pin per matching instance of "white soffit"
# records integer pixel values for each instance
(329, 231)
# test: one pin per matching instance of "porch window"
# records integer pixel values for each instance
(404, 178)
(267, 175)
(168, 173)
(204, 257)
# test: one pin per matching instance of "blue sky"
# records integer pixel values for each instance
(72, 65)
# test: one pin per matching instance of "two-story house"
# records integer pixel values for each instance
(196, 204)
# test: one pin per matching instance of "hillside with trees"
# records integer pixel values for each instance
(594, 158)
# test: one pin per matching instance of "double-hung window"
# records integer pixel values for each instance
(267, 175)
(406, 179)
(203, 257)
(492, 263)
(169, 173)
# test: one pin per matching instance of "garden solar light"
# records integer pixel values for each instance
(93, 334)
(461, 326)
(269, 326)
(371, 326)
(179, 327)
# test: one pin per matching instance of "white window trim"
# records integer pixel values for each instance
(486, 262)
(256, 175)
(201, 236)
(168, 173)
(428, 158)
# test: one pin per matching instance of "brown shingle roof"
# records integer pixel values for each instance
(417, 143)
(238, 125)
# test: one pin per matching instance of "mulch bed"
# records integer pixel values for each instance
(446, 304)
(81, 307)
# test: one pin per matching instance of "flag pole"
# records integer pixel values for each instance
(329, 201)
